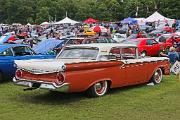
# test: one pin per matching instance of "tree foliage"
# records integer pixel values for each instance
(37, 11)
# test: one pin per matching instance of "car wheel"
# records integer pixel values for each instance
(98, 89)
(144, 53)
(1, 77)
(157, 76)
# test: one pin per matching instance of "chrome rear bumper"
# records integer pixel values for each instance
(41, 84)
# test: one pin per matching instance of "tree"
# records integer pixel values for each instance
(37, 11)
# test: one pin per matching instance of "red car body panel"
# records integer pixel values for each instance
(81, 76)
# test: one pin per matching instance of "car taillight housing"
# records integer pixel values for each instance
(60, 78)
(18, 73)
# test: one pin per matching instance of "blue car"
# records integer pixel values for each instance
(11, 52)
(46, 46)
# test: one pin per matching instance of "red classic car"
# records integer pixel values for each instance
(169, 38)
(149, 46)
(91, 67)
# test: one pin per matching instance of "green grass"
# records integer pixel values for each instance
(161, 102)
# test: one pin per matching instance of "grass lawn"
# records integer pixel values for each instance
(161, 102)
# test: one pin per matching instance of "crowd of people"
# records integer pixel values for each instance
(60, 31)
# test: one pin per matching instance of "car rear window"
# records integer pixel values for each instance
(78, 53)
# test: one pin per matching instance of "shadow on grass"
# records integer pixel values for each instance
(57, 98)
(125, 88)
(5, 81)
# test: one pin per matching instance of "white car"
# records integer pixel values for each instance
(119, 37)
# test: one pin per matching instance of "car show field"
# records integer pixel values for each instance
(141, 102)
(89, 60)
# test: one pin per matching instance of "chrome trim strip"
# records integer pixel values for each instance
(43, 85)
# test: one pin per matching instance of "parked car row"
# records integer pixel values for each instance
(45, 46)
(54, 64)
(11, 52)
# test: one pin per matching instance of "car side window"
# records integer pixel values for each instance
(88, 41)
(22, 50)
(102, 40)
(149, 42)
(128, 53)
(7, 52)
(162, 39)
(73, 41)
(115, 52)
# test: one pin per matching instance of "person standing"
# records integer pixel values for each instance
(173, 55)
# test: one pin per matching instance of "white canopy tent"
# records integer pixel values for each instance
(29, 24)
(159, 19)
(155, 17)
(66, 21)
(45, 23)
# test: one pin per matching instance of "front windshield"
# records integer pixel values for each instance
(79, 53)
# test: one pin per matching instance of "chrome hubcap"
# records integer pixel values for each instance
(158, 76)
(100, 87)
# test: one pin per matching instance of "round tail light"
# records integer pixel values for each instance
(18, 74)
(60, 78)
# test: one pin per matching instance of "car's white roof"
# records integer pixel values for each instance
(104, 45)
(104, 48)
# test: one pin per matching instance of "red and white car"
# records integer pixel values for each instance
(91, 67)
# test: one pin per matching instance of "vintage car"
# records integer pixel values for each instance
(119, 37)
(81, 40)
(169, 38)
(149, 46)
(91, 67)
(11, 52)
